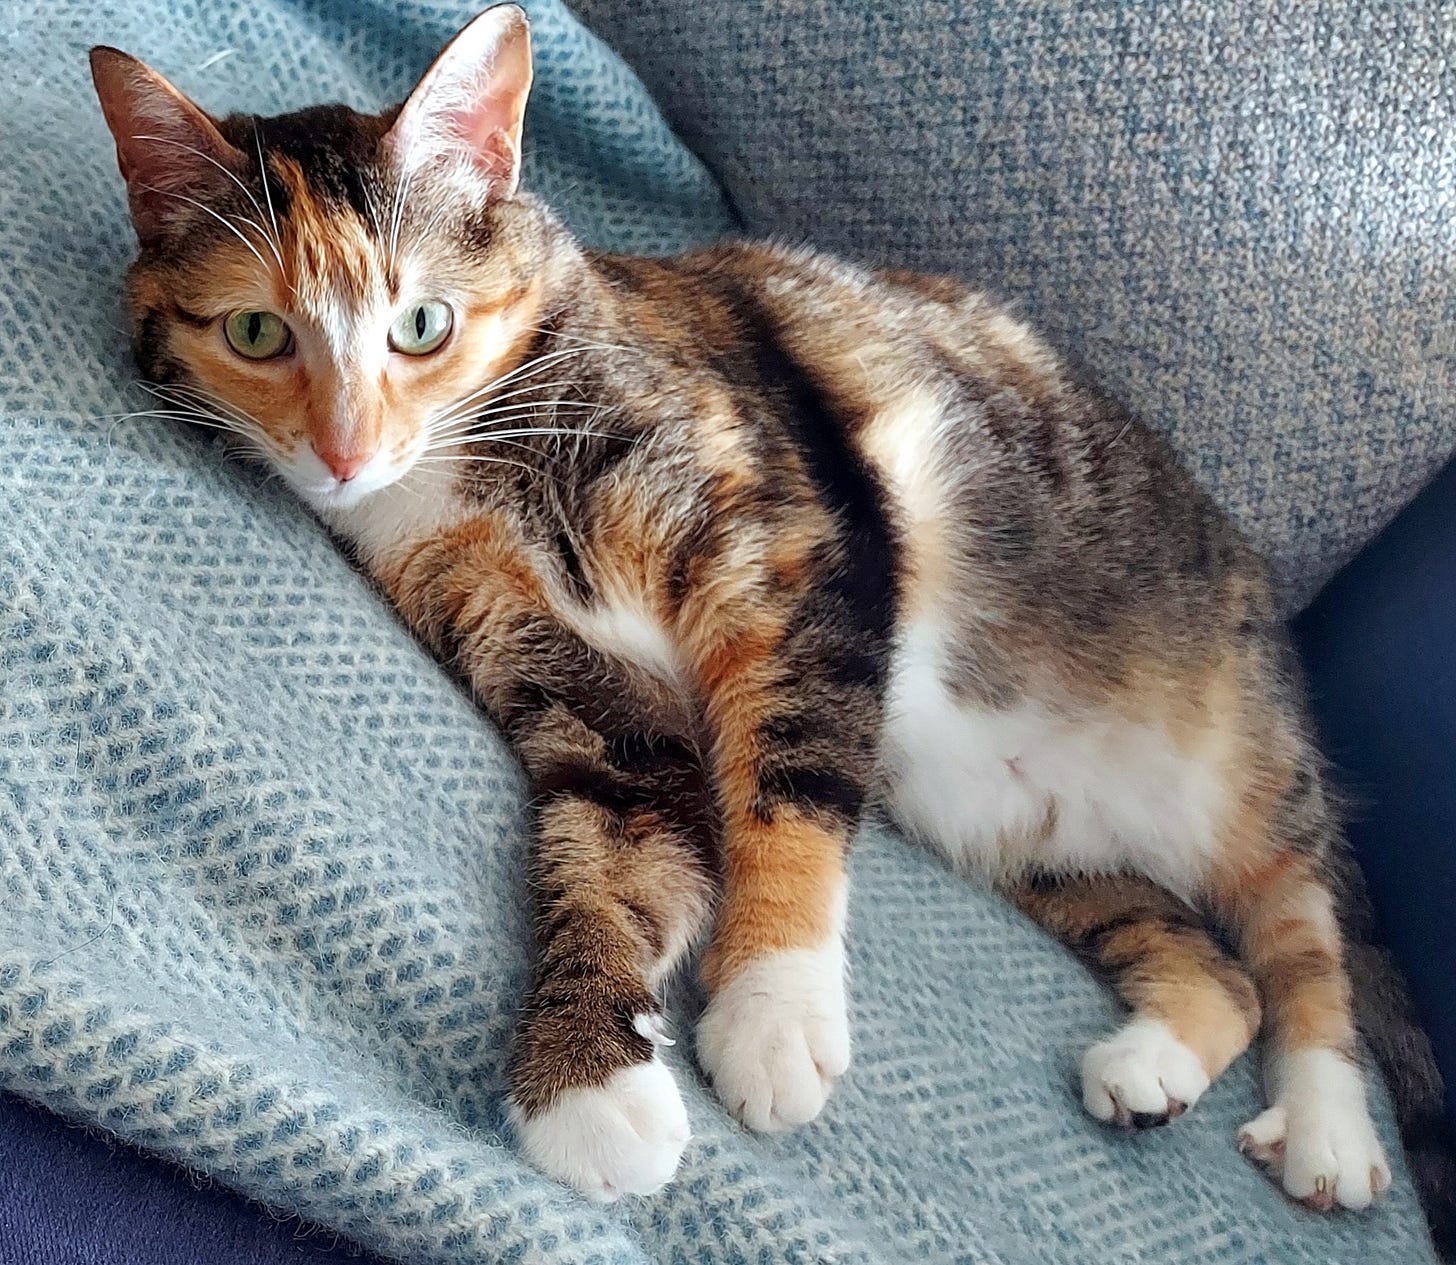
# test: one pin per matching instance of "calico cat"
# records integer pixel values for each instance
(732, 546)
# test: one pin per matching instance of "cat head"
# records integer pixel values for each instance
(331, 285)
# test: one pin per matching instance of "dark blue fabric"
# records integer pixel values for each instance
(71, 1198)
(1380, 648)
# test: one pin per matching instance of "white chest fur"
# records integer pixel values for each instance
(621, 627)
(1002, 790)
(396, 517)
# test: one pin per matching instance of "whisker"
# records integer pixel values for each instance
(588, 344)
(270, 242)
(473, 410)
(184, 388)
(509, 443)
(256, 442)
(268, 197)
(191, 406)
(374, 216)
(223, 220)
(470, 399)
(470, 431)
(494, 461)
(402, 192)
(167, 391)
(204, 420)
(533, 365)
(480, 437)
(466, 429)
(472, 413)
(232, 418)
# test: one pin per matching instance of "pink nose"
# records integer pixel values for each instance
(344, 462)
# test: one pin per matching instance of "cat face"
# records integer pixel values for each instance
(332, 287)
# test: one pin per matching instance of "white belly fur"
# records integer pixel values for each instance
(999, 791)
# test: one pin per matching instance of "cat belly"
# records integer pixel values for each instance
(1006, 790)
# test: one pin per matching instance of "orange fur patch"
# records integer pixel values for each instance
(781, 880)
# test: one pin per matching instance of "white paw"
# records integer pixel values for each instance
(1318, 1139)
(775, 1039)
(622, 1138)
(1142, 1075)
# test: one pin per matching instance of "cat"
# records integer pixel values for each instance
(735, 547)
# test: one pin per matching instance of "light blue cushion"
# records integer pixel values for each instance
(263, 906)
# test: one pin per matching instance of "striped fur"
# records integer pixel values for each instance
(736, 544)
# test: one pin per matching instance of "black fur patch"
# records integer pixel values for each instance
(865, 577)
(150, 347)
(336, 149)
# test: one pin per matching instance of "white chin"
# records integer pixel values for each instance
(339, 496)
(327, 494)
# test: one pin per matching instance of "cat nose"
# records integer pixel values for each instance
(344, 462)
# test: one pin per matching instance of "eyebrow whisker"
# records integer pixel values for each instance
(270, 242)
(223, 220)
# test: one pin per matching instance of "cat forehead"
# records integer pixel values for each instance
(333, 254)
(333, 239)
(335, 152)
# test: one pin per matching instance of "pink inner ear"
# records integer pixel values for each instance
(483, 128)
(473, 98)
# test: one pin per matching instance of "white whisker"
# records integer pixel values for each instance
(270, 242)
(473, 430)
(165, 392)
(258, 442)
(587, 344)
(190, 403)
(401, 192)
(491, 437)
(268, 197)
(533, 366)
(494, 461)
(223, 220)
(469, 412)
(474, 414)
(537, 366)
(374, 215)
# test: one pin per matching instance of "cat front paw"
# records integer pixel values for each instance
(775, 1038)
(1318, 1141)
(1141, 1076)
(625, 1137)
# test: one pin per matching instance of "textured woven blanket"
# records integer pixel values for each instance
(263, 906)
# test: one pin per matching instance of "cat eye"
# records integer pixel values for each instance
(257, 335)
(421, 328)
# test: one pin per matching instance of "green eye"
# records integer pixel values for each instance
(420, 328)
(257, 335)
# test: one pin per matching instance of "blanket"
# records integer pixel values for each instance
(263, 903)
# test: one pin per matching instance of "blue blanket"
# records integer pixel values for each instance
(263, 907)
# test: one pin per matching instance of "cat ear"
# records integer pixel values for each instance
(167, 148)
(472, 101)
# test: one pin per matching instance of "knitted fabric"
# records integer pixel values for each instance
(263, 908)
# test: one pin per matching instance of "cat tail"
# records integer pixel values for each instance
(1402, 1050)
